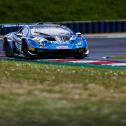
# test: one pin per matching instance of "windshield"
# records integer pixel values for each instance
(51, 31)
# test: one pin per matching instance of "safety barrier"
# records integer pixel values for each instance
(78, 26)
(97, 26)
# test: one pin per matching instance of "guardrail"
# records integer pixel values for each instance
(78, 26)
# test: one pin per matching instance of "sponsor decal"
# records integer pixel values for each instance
(62, 47)
(39, 39)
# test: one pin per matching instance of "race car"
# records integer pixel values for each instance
(45, 40)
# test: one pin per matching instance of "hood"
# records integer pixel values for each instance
(51, 40)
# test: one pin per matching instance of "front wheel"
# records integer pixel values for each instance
(25, 51)
(80, 56)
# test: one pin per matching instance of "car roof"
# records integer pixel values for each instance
(44, 25)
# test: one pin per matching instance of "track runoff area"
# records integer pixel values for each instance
(102, 48)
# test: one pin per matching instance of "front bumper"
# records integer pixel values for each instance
(59, 52)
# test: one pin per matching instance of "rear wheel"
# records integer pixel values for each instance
(9, 52)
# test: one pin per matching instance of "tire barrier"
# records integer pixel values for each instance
(78, 26)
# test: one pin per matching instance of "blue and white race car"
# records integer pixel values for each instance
(45, 40)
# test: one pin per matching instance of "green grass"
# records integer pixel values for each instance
(49, 95)
(12, 11)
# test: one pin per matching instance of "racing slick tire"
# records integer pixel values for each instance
(80, 56)
(25, 50)
(9, 51)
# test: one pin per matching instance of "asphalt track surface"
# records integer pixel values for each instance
(106, 47)
(99, 47)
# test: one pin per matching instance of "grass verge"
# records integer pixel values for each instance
(35, 94)
(56, 10)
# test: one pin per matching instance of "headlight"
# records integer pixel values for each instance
(79, 43)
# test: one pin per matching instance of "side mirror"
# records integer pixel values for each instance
(79, 34)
